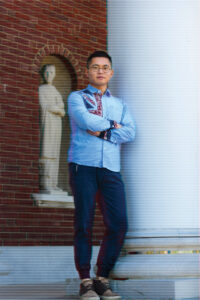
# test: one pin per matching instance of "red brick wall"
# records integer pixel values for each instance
(30, 30)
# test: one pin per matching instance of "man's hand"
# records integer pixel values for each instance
(117, 126)
(97, 133)
(94, 133)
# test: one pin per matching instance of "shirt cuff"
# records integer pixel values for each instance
(105, 135)
(113, 124)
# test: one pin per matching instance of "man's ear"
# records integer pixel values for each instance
(112, 73)
(86, 72)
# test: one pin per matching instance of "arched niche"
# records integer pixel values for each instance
(65, 81)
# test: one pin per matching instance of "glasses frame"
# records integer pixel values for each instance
(97, 68)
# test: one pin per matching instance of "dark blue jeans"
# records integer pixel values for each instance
(85, 183)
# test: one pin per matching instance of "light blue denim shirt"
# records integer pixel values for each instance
(88, 109)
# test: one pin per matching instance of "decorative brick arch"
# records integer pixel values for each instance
(60, 50)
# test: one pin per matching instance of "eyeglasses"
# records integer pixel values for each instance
(96, 68)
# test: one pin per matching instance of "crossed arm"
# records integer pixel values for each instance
(98, 133)
(98, 126)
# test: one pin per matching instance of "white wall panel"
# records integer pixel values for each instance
(156, 57)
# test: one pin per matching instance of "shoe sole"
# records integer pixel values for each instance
(111, 297)
(90, 298)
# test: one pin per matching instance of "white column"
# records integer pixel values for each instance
(155, 46)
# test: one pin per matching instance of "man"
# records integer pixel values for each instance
(100, 122)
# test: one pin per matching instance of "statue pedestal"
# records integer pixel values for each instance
(53, 198)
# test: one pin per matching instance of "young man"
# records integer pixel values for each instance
(100, 122)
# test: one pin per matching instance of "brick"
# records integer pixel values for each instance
(12, 168)
(15, 235)
(7, 195)
(22, 196)
(29, 32)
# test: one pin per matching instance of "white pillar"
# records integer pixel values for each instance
(155, 46)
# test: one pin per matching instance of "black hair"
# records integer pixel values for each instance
(99, 54)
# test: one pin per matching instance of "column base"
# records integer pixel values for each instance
(157, 266)
(157, 276)
(162, 289)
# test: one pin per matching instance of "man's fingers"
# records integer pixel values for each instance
(95, 133)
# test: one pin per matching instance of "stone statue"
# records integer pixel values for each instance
(52, 112)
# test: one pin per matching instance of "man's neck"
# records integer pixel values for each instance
(101, 88)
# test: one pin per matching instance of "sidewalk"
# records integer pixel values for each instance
(35, 292)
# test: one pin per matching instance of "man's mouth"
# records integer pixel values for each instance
(100, 77)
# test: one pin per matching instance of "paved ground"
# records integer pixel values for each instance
(35, 292)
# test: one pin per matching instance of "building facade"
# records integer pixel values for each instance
(34, 33)
(155, 47)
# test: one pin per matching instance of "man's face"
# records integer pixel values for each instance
(99, 72)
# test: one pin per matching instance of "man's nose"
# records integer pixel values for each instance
(100, 70)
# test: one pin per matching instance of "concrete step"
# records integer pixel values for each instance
(55, 291)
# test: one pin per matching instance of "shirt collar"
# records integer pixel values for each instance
(95, 90)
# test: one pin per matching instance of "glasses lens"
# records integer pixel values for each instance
(95, 68)
(105, 69)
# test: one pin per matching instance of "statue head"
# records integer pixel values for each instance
(48, 73)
